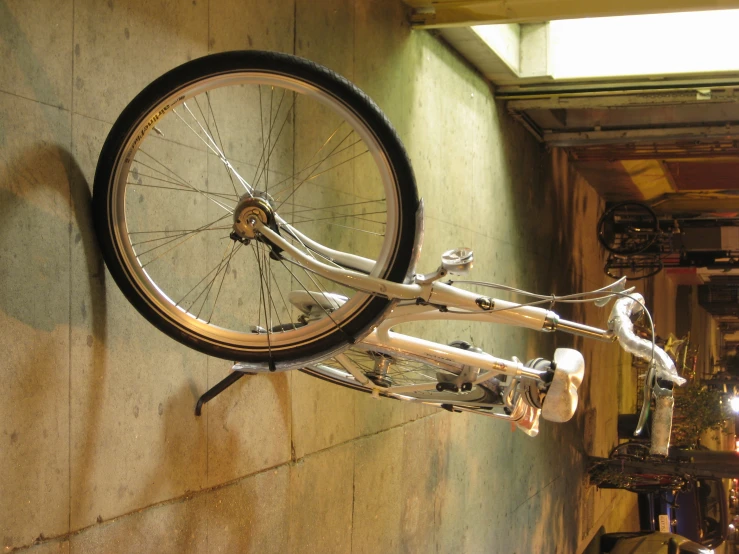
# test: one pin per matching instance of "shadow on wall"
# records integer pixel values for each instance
(39, 181)
(37, 278)
(88, 372)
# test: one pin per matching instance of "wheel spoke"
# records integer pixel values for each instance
(183, 182)
(307, 165)
(347, 227)
(179, 234)
(222, 265)
(269, 280)
(267, 153)
(313, 176)
(331, 209)
(218, 134)
(212, 146)
(344, 216)
(269, 139)
(396, 370)
(206, 289)
(188, 235)
(180, 189)
(279, 290)
(263, 302)
(220, 286)
(311, 169)
(261, 128)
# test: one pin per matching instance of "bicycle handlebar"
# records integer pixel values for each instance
(662, 366)
(620, 324)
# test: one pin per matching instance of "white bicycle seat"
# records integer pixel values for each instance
(561, 400)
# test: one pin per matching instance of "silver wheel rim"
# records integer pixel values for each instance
(179, 106)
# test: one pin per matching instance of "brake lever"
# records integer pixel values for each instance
(615, 287)
(649, 383)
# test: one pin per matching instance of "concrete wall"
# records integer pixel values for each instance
(99, 448)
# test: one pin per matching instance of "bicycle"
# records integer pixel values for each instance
(637, 465)
(287, 236)
(640, 244)
(633, 466)
(610, 474)
(631, 233)
(629, 228)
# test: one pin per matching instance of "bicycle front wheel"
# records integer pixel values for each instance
(219, 138)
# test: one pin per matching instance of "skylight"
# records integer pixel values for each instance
(659, 44)
(688, 42)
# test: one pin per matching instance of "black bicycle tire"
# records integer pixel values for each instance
(341, 91)
(625, 251)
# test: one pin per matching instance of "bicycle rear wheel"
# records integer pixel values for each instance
(387, 369)
(628, 228)
(243, 132)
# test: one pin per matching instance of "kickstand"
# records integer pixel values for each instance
(218, 388)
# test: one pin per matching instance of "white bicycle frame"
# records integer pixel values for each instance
(426, 300)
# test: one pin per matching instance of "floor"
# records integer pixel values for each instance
(100, 450)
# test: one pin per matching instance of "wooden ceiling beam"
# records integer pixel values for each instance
(429, 14)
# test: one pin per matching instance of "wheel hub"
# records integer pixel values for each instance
(247, 212)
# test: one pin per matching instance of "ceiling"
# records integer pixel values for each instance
(644, 142)
(463, 13)
(672, 140)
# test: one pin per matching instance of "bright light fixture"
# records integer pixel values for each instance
(686, 42)
(734, 403)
